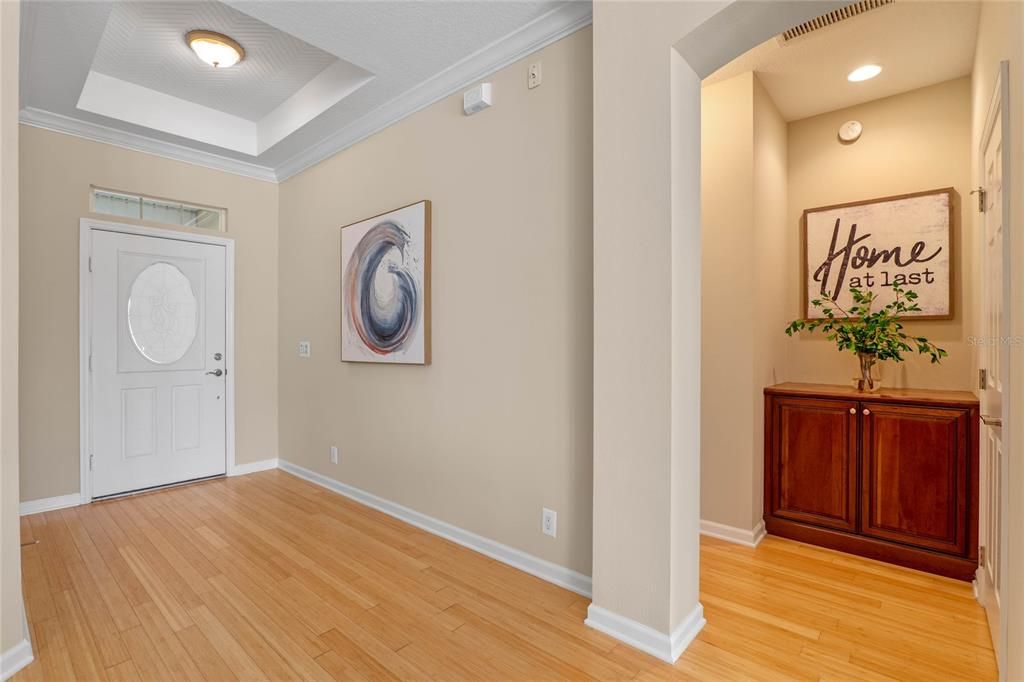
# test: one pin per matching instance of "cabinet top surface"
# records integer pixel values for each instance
(884, 394)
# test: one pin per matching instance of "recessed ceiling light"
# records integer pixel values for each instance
(216, 49)
(863, 73)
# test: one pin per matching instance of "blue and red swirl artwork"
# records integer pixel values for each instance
(385, 287)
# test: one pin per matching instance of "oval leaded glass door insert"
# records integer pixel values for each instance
(162, 313)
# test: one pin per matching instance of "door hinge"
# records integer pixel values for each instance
(90, 461)
(90, 263)
(90, 362)
(982, 193)
(982, 378)
(981, 555)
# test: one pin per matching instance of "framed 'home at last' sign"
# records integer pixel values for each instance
(870, 245)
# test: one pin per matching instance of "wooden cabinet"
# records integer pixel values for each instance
(891, 475)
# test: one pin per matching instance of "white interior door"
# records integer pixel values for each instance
(995, 276)
(157, 349)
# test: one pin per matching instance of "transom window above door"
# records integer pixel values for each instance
(165, 211)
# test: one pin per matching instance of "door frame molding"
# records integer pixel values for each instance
(86, 228)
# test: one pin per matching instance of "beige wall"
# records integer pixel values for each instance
(11, 607)
(770, 353)
(915, 141)
(729, 303)
(744, 249)
(499, 425)
(1001, 37)
(56, 172)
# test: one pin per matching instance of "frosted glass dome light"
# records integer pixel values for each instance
(216, 49)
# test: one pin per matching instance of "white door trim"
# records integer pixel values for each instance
(86, 226)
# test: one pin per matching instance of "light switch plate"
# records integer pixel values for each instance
(534, 76)
(304, 349)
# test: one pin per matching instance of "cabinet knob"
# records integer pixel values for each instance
(866, 412)
(853, 410)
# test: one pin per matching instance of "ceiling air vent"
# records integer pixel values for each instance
(831, 18)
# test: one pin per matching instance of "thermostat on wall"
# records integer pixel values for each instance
(477, 99)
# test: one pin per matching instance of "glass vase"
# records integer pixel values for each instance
(867, 364)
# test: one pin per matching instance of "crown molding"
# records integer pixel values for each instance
(39, 118)
(541, 32)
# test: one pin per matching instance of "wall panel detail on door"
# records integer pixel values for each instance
(914, 476)
(992, 500)
(186, 417)
(814, 462)
(138, 422)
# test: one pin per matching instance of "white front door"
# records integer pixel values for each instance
(995, 276)
(157, 349)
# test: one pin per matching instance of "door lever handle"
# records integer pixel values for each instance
(216, 372)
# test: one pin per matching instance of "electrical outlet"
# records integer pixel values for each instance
(549, 522)
(304, 349)
(334, 454)
(533, 76)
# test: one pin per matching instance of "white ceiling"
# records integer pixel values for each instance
(318, 76)
(916, 43)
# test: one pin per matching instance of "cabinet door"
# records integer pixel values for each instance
(915, 471)
(813, 467)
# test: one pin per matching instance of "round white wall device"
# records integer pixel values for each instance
(850, 131)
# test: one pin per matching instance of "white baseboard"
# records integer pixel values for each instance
(747, 538)
(19, 655)
(15, 658)
(545, 570)
(74, 499)
(667, 647)
(49, 504)
(253, 467)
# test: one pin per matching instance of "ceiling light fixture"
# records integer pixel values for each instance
(863, 73)
(216, 49)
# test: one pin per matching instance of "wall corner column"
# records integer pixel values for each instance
(646, 328)
(15, 645)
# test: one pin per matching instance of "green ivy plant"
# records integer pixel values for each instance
(878, 334)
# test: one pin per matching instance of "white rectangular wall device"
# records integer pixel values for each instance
(476, 99)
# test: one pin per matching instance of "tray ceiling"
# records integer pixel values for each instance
(143, 44)
(317, 77)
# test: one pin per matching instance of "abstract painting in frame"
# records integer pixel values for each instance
(905, 240)
(385, 287)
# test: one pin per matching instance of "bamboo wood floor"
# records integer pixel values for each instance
(268, 577)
